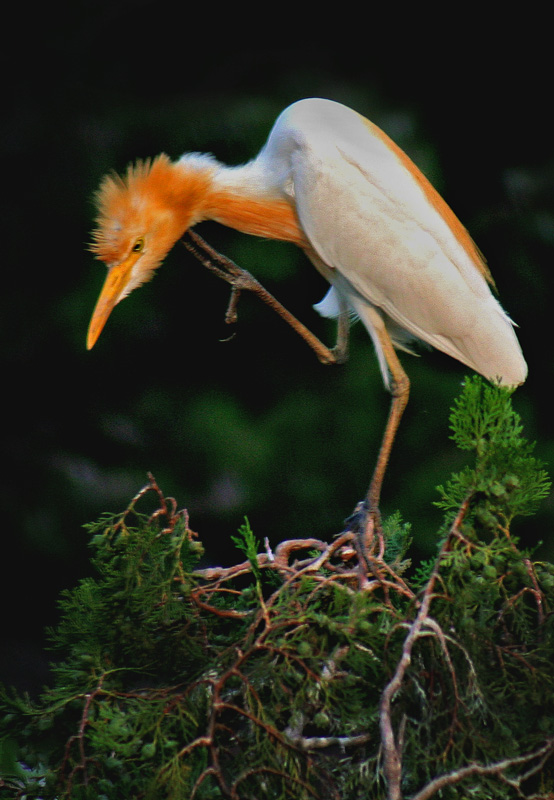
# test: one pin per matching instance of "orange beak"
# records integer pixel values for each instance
(114, 285)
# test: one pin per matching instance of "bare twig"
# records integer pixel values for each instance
(167, 508)
(294, 781)
(392, 754)
(498, 768)
(322, 742)
(79, 738)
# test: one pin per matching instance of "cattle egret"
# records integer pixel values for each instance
(333, 183)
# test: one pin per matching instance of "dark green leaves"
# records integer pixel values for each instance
(506, 480)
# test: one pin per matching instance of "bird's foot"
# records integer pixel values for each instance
(356, 521)
(339, 354)
(365, 523)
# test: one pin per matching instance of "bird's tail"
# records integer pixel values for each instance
(491, 348)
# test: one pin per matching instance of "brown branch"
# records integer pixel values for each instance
(272, 771)
(498, 768)
(167, 508)
(200, 780)
(219, 612)
(392, 751)
(321, 742)
(79, 737)
(539, 596)
(278, 561)
(269, 729)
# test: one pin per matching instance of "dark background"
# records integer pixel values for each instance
(254, 426)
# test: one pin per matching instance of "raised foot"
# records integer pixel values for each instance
(339, 354)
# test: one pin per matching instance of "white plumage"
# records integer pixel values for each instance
(334, 184)
(387, 248)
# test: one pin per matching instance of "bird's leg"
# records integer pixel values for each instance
(241, 279)
(340, 350)
(400, 391)
(366, 517)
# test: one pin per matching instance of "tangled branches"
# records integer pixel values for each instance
(315, 670)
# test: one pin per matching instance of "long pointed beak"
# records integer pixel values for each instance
(114, 285)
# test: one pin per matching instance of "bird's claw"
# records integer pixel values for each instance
(365, 524)
(355, 523)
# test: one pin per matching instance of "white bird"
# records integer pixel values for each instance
(337, 186)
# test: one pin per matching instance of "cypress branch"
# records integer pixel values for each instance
(287, 675)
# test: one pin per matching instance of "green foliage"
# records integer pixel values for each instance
(506, 480)
(266, 679)
(247, 542)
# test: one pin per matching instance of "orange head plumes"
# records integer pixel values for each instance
(140, 217)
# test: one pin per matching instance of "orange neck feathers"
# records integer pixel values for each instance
(165, 198)
(271, 218)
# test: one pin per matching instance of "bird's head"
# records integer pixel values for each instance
(140, 217)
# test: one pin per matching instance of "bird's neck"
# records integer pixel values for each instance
(268, 217)
(241, 198)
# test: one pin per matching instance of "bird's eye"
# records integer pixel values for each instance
(138, 245)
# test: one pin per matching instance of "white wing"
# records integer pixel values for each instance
(388, 241)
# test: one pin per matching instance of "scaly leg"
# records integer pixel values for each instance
(400, 391)
(240, 279)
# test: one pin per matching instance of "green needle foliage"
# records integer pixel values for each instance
(314, 671)
(505, 481)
